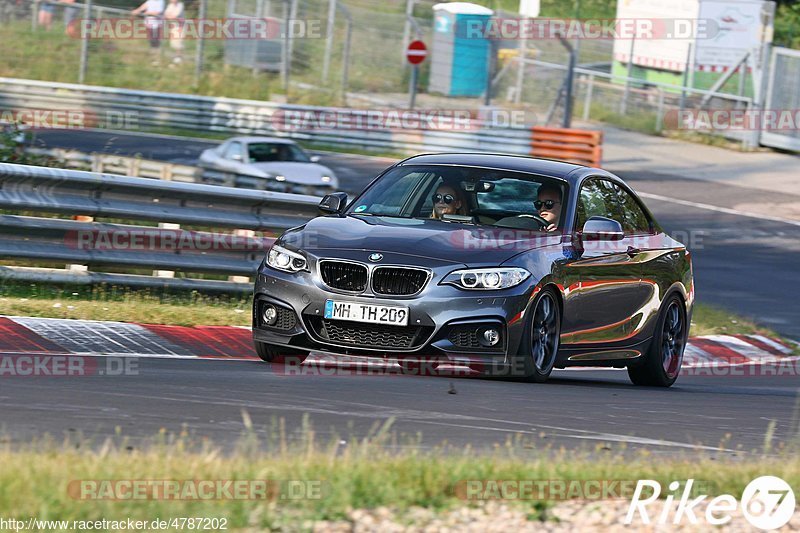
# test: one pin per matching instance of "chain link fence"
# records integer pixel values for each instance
(307, 51)
(346, 52)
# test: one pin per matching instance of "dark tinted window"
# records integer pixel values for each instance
(636, 220)
(606, 199)
(510, 194)
(487, 195)
(599, 198)
(266, 152)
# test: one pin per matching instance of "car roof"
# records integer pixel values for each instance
(254, 139)
(571, 172)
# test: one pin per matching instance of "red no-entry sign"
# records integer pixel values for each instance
(416, 52)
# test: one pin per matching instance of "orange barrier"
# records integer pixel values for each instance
(577, 146)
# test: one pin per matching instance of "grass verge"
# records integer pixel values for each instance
(333, 478)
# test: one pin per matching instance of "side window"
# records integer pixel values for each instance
(636, 221)
(607, 199)
(598, 198)
(234, 148)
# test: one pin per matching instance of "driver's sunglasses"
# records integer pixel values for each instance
(548, 204)
(446, 198)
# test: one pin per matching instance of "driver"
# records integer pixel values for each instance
(548, 205)
(447, 200)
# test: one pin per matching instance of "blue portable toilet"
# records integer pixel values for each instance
(460, 51)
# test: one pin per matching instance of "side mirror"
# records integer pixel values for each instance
(602, 229)
(314, 159)
(333, 204)
(236, 157)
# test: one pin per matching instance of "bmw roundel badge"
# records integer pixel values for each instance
(375, 257)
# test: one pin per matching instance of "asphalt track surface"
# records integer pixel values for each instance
(576, 409)
(744, 264)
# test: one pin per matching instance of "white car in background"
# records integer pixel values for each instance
(268, 163)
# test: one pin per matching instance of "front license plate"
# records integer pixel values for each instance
(375, 314)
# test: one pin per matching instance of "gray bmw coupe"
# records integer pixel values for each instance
(509, 265)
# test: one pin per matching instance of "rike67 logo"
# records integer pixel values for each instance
(768, 502)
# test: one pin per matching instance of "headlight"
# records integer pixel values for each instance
(280, 258)
(486, 278)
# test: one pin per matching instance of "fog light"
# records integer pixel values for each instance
(489, 337)
(269, 315)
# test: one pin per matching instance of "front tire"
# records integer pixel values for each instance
(662, 363)
(271, 353)
(541, 340)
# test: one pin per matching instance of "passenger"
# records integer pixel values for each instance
(447, 200)
(548, 204)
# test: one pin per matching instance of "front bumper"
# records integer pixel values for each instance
(444, 322)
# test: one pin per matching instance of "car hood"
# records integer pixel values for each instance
(441, 241)
(300, 173)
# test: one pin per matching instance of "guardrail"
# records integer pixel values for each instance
(203, 249)
(568, 144)
(121, 165)
(119, 108)
(163, 170)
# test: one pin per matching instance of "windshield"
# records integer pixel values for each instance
(268, 152)
(466, 195)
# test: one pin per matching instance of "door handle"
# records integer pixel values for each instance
(632, 251)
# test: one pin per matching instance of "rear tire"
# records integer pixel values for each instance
(540, 343)
(664, 357)
(272, 353)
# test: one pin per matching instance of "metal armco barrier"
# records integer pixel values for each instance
(579, 146)
(203, 250)
(146, 110)
(121, 165)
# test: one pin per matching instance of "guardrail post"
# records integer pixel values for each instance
(166, 172)
(166, 273)
(134, 166)
(250, 234)
(78, 267)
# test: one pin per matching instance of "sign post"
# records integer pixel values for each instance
(415, 54)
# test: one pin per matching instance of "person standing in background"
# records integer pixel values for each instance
(153, 11)
(174, 17)
(70, 12)
(46, 15)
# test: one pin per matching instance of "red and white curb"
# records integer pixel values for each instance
(45, 336)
